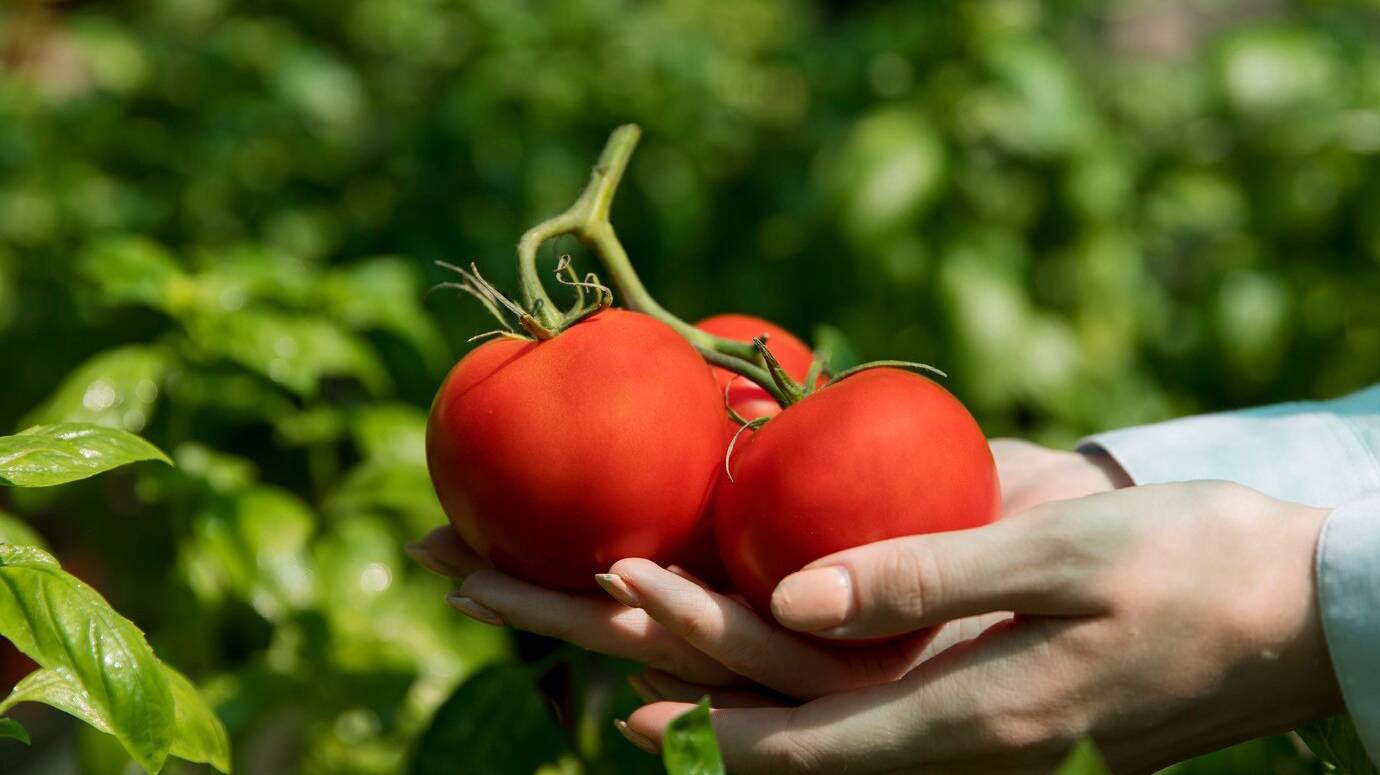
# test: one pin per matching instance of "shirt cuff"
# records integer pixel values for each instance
(1348, 568)
(1303, 453)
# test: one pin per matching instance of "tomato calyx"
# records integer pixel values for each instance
(516, 321)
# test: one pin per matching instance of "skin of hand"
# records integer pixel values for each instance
(685, 632)
(1163, 621)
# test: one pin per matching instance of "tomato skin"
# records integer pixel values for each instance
(750, 401)
(882, 454)
(555, 459)
(745, 396)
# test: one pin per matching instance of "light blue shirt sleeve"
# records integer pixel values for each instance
(1321, 453)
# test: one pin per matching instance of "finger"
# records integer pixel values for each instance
(733, 635)
(944, 712)
(444, 553)
(596, 624)
(903, 584)
(656, 686)
(961, 631)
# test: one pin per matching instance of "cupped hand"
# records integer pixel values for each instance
(1140, 615)
(679, 628)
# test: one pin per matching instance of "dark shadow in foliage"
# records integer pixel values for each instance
(494, 724)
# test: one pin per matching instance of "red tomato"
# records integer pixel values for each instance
(750, 401)
(555, 459)
(745, 396)
(882, 454)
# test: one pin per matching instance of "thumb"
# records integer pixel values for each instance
(903, 584)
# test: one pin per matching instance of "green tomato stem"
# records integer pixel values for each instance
(588, 220)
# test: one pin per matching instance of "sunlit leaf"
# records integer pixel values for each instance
(135, 270)
(401, 488)
(253, 545)
(889, 169)
(496, 723)
(391, 433)
(198, 736)
(118, 388)
(70, 630)
(235, 278)
(296, 351)
(385, 294)
(689, 746)
(46, 455)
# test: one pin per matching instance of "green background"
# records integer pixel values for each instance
(218, 222)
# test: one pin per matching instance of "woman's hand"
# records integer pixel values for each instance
(1031, 474)
(1140, 614)
(679, 628)
(668, 621)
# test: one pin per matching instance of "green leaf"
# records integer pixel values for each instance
(70, 630)
(1084, 759)
(253, 545)
(135, 270)
(385, 294)
(401, 488)
(14, 530)
(46, 455)
(198, 735)
(296, 351)
(232, 278)
(886, 174)
(117, 388)
(14, 730)
(1336, 742)
(391, 433)
(496, 723)
(689, 746)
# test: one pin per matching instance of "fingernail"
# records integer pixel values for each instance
(618, 589)
(644, 689)
(815, 599)
(645, 743)
(423, 557)
(474, 610)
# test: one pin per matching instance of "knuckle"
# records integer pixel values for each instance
(909, 580)
(751, 656)
(790, 751)
(691, 617)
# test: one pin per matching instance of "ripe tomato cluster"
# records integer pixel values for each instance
(606, 435)
(557, 458)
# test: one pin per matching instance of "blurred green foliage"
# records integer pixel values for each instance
(217, 223)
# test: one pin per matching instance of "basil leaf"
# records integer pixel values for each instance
(14, 530)
(198, 735)
(136, 270)
(253, 545)
(71, 631)
(118, 388)
(14, 730)
(689, 746)
(45, 455)
(1084, 759)
(295, 351)
(385, 294)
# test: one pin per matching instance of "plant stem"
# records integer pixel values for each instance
(588, 220)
